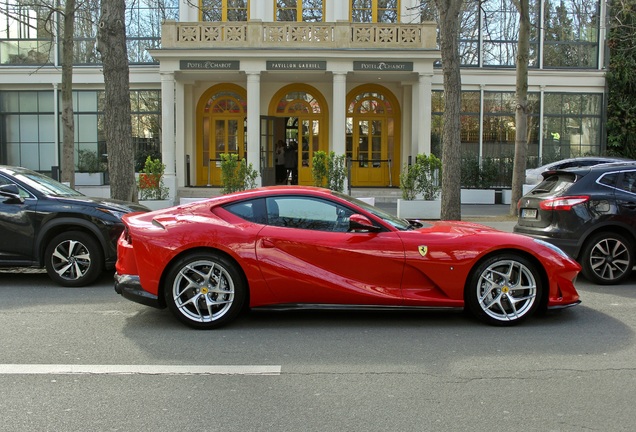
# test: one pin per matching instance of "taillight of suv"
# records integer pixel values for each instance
(563, 203)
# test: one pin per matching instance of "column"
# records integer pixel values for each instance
(422, 113)
(339, 116)
(254, 122)
(167, 132)
(179, 120)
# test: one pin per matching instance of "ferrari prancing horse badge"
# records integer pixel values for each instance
(423, 250)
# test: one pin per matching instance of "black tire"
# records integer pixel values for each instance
(504, 290)
(205, 290)
(607, 258)
(74, 259)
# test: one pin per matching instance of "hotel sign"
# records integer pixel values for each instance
(379, 66)
(209, 65)
(296, 65)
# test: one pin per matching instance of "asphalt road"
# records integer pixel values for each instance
(87, 359)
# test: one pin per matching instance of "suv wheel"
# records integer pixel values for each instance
(607, 258)
(73, 259)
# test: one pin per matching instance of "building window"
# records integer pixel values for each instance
(27, 119)
(571, 125)
(571, 33)
(24, 36)
(371, 11)
(143, 26)
(300, 10)
(224, 10)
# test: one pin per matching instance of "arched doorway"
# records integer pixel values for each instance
(304, 111)
(373, 136)
(221, 115)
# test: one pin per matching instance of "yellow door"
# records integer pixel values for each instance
(369, 165)
(226, 136)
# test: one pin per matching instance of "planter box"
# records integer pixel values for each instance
(419, 209)
(478, 196)
(89, 179)
(156, 204)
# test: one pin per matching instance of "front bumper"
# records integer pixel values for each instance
(130, 288)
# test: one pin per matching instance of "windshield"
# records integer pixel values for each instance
(44, 184)
(396, 222)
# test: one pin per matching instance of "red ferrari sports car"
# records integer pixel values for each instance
(304, 247)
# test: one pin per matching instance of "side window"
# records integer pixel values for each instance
(307, 213)
(628, 182)
(251, 211)
(608, 179)
(6, 181)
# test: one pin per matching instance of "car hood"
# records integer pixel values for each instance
(457, 227)
(123, 206)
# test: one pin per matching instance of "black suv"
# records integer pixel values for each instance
(590, 213)
(44, 223)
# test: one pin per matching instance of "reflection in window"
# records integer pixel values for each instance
(224, 10)
(300, 10)
(381, 11)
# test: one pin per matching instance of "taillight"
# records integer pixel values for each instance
(563, 203)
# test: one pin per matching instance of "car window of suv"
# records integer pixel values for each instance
(608, 179)
(6, 181)
(628, 182)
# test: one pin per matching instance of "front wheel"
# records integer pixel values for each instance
(607, 258)
(74, 259)
(205, 290)
(503, 290)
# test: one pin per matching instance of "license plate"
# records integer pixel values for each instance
(529, 213)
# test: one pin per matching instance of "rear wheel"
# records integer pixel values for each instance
(74, 259)
(503, 290)
(607, 258)
(205, 290)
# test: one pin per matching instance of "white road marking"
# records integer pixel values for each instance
(69, 369)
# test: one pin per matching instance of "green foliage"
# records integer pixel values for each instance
(150, 183)
(329, 170)
(474, 175)
(621, 80)
(423, 177)
(319, 168)
(236, 175)
(88, 162)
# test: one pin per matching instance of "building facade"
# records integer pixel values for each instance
(359, 77)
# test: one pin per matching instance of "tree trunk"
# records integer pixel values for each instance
(521, 113)
(111, 44)
(449, 13)
(68, 124)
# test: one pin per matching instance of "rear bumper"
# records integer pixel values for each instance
(130, 288)
(569, 246)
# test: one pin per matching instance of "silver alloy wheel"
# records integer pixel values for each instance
(506, 290)
(609, 259)
(71, 259)
(203, 291)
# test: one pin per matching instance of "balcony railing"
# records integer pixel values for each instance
(340, 35)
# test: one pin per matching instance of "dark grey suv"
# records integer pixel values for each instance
(43, 223)
(590, 213)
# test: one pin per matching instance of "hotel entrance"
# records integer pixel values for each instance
(305, 125)
(221, 121)
(372, 129)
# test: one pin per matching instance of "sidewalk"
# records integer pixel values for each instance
(493, 215)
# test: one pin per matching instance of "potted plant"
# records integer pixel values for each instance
(329, 170)
(152, 192)
(236, 175)
(420, 185)
(89, 171)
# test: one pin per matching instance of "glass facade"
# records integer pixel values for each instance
(27, 126)
(26, 36)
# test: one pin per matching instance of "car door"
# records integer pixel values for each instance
(307, 255)
(16, 227)
(626, 199)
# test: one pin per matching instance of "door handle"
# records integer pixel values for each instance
(267, 244)
(629, 205)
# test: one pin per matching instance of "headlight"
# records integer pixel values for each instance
(553, 247)
(115, 213)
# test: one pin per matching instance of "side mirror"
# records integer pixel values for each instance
(11, 193)
(358, 222)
